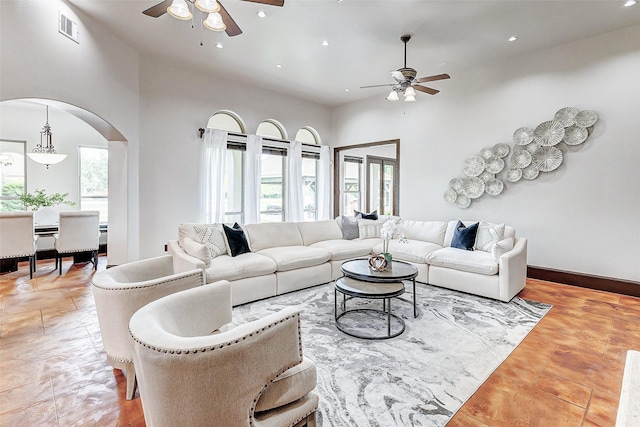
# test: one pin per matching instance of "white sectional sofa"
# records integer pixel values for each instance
(289, 256)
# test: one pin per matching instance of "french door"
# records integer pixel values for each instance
(382, 187)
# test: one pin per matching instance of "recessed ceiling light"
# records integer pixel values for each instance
(261, 14)
(512, 38)
(219, 45)
(442, 64)
(347, 90)
(630, 3)
(278, 65)
(324, 43)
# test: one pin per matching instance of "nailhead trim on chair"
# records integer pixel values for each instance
(78, 250)
(147, 286)
(16, 256)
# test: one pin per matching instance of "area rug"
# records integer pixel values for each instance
(420, 378)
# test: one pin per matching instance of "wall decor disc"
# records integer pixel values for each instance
(533, 147)
(486, 176)
(495, 165)
(450, 196)
(530, 172)
(501, 150)
(521, 159)
(546, 159)
(473, 187)
(456, 184)
(523, 136)
(566, 116)
(548, 133)
(514, 174)
(586, 118)
(463, 201)
(473, 166)
(493, 187)
(575, 135)
(486, 153)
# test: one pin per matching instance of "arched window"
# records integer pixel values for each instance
(308, 135)
(227, 120)
(272, 128)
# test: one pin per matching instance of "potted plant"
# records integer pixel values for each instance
(40, 199)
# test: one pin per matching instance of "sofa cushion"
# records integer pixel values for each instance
(226, 267)
(289, 386)
(317, 231)
(472, 261)
(464, 237)
(373, 215)
(273, 235)
(211, 235)
(236, 240)
(427, 231)
(488, 235)
(413, 250)
(500, 248)
(350, 228)
(344, 249)
(293, 257)
(198, 250)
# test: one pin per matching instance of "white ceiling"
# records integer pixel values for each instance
(364, 38)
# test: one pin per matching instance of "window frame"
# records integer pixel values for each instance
(80, 195)
(24, 177)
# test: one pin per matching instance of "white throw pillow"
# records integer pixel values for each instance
(212, 237)
(488, 235)
(198, 250)
(501, 247)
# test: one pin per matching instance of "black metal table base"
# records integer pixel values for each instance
(385, 312)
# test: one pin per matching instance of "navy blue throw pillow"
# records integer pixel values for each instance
(464, 237)
(237, 241)
(372, 215)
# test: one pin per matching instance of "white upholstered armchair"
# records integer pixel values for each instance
(191, 372)
(78, 231)
(17, 238)
(120, 291)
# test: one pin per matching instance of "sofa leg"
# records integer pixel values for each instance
(132, 383)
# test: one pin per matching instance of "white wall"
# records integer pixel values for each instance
(175, 102)
(579, 218)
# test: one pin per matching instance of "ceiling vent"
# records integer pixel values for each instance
(67, 27)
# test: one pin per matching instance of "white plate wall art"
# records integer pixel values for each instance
(548, 133)
(537, 152)
(523, 136)
(473, 166)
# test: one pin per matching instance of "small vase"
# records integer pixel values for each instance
(388, 258)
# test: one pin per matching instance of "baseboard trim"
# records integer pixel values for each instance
(601, 283)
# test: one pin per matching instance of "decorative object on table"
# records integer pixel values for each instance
(540, 150)
(378, 262)
(40, 199)
(386, 232)
(46, 154)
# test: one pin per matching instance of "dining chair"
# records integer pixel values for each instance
(78, 231)
(17, 239)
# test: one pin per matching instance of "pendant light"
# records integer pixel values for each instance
(46, 154)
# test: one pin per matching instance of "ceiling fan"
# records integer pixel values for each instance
(406, 81)
(217, 20)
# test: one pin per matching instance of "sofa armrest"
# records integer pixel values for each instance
(182, 261)
(513, 270)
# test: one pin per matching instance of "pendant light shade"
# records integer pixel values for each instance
(214, 22)
(46, 154)
(393, 96)
(410, 91)
(179, 10)
(208, 6)
(410, 99)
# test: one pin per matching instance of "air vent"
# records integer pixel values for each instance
(67, 27)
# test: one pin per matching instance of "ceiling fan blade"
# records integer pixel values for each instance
(434, 78)
(232, 27)
(425, 89)
(397, 76)
(158, 10)
(366, 87)
(278, 3)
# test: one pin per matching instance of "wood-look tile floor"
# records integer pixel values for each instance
(53, 371)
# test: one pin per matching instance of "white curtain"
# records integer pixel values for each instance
(323, 185)
(213, 173)
(295, 208)
(252, 174)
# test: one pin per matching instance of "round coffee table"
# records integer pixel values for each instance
(398, 271)
(355, 288)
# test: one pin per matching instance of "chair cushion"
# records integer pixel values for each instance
(344, 249)
(459, 259)
(294, 257)
(225, 267)
(413, 251)
(288, 387)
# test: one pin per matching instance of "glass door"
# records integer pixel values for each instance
(381, 185)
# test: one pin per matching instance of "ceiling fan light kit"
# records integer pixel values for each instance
(406, 81)
(214, 22)
(180, 10)
(208, 6)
